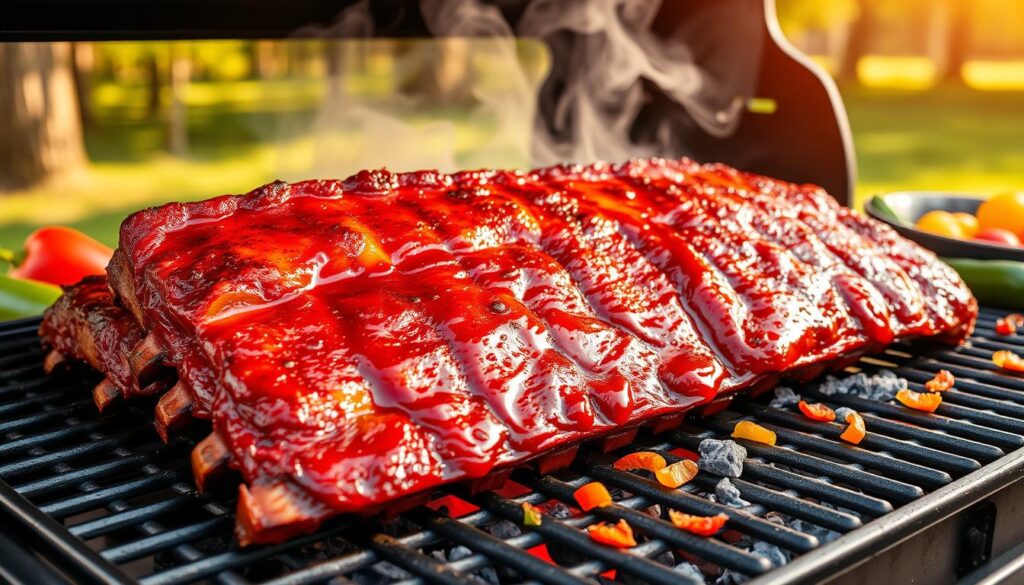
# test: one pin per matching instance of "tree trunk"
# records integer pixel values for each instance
(177, 122)
(856, 43)
(958, 17)
(84, 61)
(153, 81)
(41, 136)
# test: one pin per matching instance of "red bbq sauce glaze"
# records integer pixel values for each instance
(618, 282)
(367, 339)
(847, 300)
(84, 324)
(758, 301)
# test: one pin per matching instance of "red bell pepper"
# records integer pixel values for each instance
(817, 411)
(618, 535)
(923, 401)
(678, 474)
(593, 495)
(856, 431)
(59, 255)
(647, 460)
(699, 525)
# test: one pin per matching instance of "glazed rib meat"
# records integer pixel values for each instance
(86, 326)
(355, 342)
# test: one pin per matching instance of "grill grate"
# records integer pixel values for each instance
(109, 501)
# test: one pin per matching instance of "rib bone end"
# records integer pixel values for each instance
(146, 360)
(104, 393)
(53, 359)
(273, 512)
(210, 460)
(172, 410)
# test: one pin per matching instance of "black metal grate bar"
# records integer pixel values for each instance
(126, 498)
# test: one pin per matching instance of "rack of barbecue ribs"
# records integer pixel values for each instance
(357, 342)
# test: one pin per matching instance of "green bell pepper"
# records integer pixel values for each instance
(995, 283)
(25, 298)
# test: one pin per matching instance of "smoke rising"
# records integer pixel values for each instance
(606, 65)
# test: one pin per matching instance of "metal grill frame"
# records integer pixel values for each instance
(977, 457)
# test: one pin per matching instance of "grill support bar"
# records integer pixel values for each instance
(86, 565)
(905, 522)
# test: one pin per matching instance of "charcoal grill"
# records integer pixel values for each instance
(89, 497)
(97, 498)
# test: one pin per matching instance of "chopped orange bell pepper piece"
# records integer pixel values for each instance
(817, 411)
(1008, 325)
(1008, 361)
(942, 381)
(699, 525)
(531, 514)
(678, 474)
(752, 431)
(856, 430)
(648, 460)
(919, 400)
(619, 535)
(593, 495)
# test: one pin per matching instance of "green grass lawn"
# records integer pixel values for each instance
(943, 139)
(239, 134)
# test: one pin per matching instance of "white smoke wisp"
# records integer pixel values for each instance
(605, 51)
(606, 64)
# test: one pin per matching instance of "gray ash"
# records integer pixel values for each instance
(503, 529)
(728, 494)
(722, 457)
(881, 387)
(784, 398)
(689, 571)
(776, 555)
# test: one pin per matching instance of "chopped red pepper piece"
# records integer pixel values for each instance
(619, 535)
(1008, 360)
(648, 460)
(942, 381)
(856, 431)
(678, 474)
(919, 400)
(593, 495)
(752, 431)
(1008, 325)
(531, 514)
(699, 525)
(817, 411)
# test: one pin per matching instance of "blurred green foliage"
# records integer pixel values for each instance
(244, 126)
(797, 16)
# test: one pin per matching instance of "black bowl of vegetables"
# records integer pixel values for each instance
(942, 222)
(974, 235)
